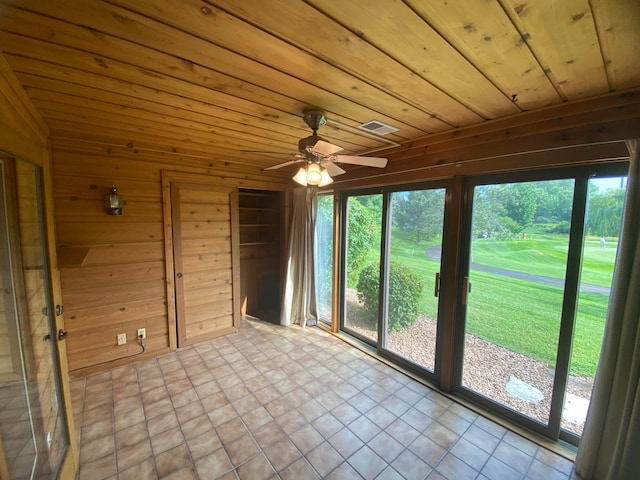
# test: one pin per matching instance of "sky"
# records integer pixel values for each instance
(604, 184)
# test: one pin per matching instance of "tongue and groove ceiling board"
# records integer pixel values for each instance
(230, 79)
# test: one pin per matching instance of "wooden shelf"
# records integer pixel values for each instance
(260, 249)
(71, 256)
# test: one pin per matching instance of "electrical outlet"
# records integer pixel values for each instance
(122, 338)
(142, 333)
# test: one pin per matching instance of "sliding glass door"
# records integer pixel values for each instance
(34, 441)
(514, 320)
(393, 251)
(534, 289)
(323, 257)
(414, 240)
(605, 199)
(514, 293)
(363, 230)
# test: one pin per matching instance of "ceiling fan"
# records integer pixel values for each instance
(321, 156)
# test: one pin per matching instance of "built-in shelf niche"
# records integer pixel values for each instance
(260, 252)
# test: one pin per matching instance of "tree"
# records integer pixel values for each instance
(605, 213)
(504, 210)
(516, 201)
(419, 212)
(323, 254)
(554, 201)
(486, 219)
(363, 226)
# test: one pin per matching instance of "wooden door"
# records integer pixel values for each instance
(206, 260)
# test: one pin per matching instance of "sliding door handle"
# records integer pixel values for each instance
(466, 289)
(436, 288)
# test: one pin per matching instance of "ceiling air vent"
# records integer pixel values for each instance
(374, 126)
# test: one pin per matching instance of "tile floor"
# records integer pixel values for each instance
(273, 402)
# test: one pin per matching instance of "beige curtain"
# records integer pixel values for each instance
(299, 303)
(610, 445)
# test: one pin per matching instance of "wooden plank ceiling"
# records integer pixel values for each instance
(231, 78)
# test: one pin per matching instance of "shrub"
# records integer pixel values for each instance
(405, 294)
(562, 227)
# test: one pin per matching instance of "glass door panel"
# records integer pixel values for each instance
(32, 425)
(362, 262)
(514, 293)
(603, 220)
(323, 257)
(415, 251)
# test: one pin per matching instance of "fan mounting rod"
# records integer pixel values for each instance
(315, 119)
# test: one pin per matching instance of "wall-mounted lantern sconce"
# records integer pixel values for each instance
(114, 202)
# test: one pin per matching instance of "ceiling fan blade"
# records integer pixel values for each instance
(333, 169)
(284, 154)
(325, 148)
(365, 161)
(285, 164)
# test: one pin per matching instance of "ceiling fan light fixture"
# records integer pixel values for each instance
(301, 177)
(326, 178)
(314, 174)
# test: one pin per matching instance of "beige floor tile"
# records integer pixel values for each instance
(282, 454)
(96, 449)
(299, 470)
(213, 465)
(167, 440)
(203, 445)
(470, 454)
(97, 430)
(324, 458)
(367, 463)
(306, 438)
(345, 442)
(172, 460)
(154, 394)
(162, 423)
(144, 470)
(128, 418)
(133, 454)
(241, 449)
(256, 468)
(513, 457)
(452, 467)
(427, 450)
(133, 434)
(268, 434)
(98, 469)
(410, 466)
(272, 402)
(196, 426)
(157, 408)
(232, 430)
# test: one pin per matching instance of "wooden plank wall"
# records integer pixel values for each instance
(113, 267)
(10, 365)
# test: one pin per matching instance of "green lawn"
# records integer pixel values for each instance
(546, 255)
(525, 317)
(520, 315)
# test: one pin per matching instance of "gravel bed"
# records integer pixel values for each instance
(488, 367)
